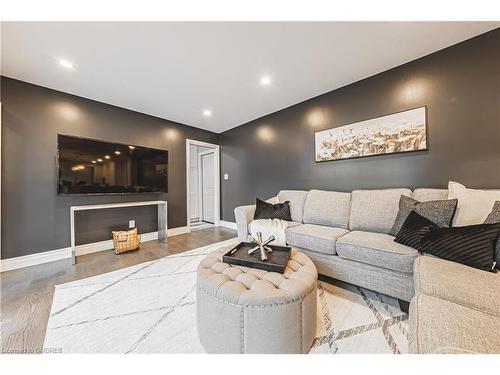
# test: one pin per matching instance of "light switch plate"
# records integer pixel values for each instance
(226, 176)
(131, 224)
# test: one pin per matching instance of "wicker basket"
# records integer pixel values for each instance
(127, 240)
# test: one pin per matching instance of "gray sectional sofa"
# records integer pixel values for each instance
(456, 309)
(346, 236)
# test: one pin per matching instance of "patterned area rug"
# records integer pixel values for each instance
(150, 308)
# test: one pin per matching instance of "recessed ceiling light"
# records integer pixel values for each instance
(107, 157)
(66, 64)
(99, 160)
(207, 113)
(117, 152)
(266, 81)
(131, 147)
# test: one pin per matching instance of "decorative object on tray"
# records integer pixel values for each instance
(400, 132)
(126, 240)
(262, 246)
(259, 254)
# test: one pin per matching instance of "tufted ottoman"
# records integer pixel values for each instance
(246, 310)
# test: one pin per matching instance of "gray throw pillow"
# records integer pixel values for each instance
(439, 212)
(493, 218)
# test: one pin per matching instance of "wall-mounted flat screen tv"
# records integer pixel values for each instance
(88, 166)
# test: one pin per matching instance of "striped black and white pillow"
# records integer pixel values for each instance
(493, 218)
(414, 229)
(472, 245)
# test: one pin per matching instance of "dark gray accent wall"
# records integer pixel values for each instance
(459, 85)
(34, 218)
(93, 226)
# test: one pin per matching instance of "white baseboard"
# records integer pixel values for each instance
(177, 231)
(149, 236)
(108, 244)
(200, 226)
(34, 259)
(53, 255)
(94, 247)
(228, 224)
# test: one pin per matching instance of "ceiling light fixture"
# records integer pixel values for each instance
(131, 147)
(117, 152)
(207, 113)
(66, 64)
(93, 162)
(107, 157)
(266, 81)
(99, 160)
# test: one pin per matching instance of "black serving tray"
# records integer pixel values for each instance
(277, 260)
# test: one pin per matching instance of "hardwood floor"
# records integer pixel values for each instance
(26, 294)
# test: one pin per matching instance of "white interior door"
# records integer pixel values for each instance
(194, 214)
(208, 186)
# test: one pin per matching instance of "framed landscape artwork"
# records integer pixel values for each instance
(400, 132)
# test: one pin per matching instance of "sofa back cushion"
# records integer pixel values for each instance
(375, 210)
(329, 208)
(425, 194)
(297, 199)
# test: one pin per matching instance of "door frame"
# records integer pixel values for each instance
(216, 149)
(1, 168)
(200, 182)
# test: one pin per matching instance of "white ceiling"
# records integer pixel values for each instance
(176, 70)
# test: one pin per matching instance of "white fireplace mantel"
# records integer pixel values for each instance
(162, 218)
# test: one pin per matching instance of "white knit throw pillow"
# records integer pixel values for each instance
(473, 205)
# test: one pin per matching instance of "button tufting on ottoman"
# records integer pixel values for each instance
(246, 310)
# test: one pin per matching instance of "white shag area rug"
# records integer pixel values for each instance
(150, 308)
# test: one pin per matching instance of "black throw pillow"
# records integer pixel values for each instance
(472, 245)
(493, 218)
(264, 210)
(414, 229)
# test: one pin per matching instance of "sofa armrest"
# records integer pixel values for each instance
(244, 216)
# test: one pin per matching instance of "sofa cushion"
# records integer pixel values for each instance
(439, 326)
(377, 249)
(297, 199)
(375, 210)
(314, 237)
(327, 208)
(457, 283)
(425, 194)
